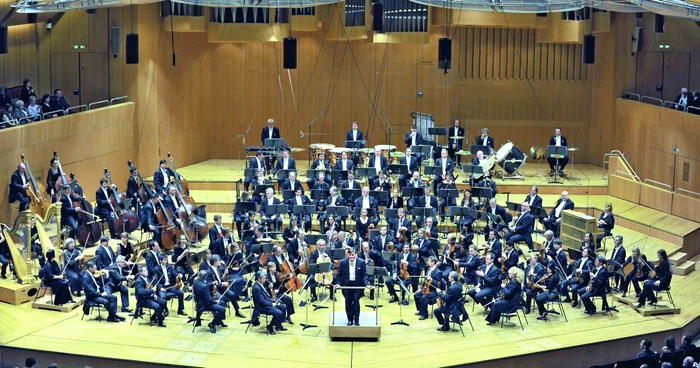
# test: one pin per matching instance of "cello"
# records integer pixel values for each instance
(170, 231)
(89, 231)
(126, 220)
(37, 203)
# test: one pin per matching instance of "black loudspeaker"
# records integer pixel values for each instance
(132, 48)
(165, 8)
(31, 18)
(445, 53)
(290, 53)
(659, 23)
(589, 49)
(378, 17)
(4, 39)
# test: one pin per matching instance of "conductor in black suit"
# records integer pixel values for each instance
(485, 140)
(352, 272)
(456, 144)
(18, 183)
(269, 132)
(558, 140)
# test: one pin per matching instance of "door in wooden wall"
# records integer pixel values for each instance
(65, 74)
(676, 74)
(94, 77)
(649, 73)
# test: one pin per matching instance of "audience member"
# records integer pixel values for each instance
(27, 90)
(46, 106)
(4, 96)
(681, 101)
(20, 112)
(58, 102)
(645, 345)
(34, 109)
(30, 362)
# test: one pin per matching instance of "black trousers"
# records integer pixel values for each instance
(352, 301)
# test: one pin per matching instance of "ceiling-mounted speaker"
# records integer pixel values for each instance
(4, 39)
(290, 52)
(378, 17)
(445, 53)
(132, 48)
(659, 23)
(589, 49)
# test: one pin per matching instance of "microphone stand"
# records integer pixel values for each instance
(323, 111)
(306, 305)
(246, 134)
(391, 131)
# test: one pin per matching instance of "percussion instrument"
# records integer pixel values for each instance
(463, 153)
(503, 152)
(538, 153)
(397, 154)
(319, 148)
(457, 137)
(335, 154)
(297, 149)
(486, 164)
(573, 149)
(513, 160)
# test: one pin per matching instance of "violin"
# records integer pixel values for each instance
(404, 272)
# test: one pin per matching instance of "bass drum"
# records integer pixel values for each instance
(513, 160)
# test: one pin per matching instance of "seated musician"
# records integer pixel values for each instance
(406, 259)
(351, 183)
(446, 165)
(216, 231)
(489, 277)
(264, 305)
(372, 258)
(240, 217)
(396, 200)
(300, 199)
(445, 202)
(511, 296)
(577, 278)
(318, 256)
(132, 188)
(125, 249)
(69, 213)
(52, 276)
(149, 221)
(362, 225)
(285, 163)
(661, 280)
(277, 257)
(167, 276)
(104, 207)
(558, 140)
(161, 177)
(494, 209)
(296, 246)
(344, 164)
(509, 258)
(330, 228)
(222, 246)
(485, 139)
(19, 183)
(521, 230)
(291, 182)
(367, 202)
(320, 164)
(558, 257)
(412, 164)
(118, 274)
(415, 182)
(223, 287)
(598, 283)
(181, 260)
(639, 272)
(234, 271)
(152, 256)
(428, 200)
(533, 273)
(471, 263)
(249, 226)
(93, 285)
(495, 246)
(334, 200)
(259, 180)
(204, 301)
(413, 138)
(379, 163)
(276, 285)
(450, 303)
(291, 230)
(425, 246)
(382, 184)
(272, 220)
(172, 201)
(431, 229)
(606, 221)
(145, 289)
(35, 242)
(619, 254)
(553, 221)
(71, 262)
(549, 290)
(587, 243)
(104, 255)
(533, 199)
(344, 241)
(468, 202)
(253, 246)
(428, 295)
(380, 241)
(476, 161)
(448, 257)
(321, 184)
(259, 164)
(401, 224)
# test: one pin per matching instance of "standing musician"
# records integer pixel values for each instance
(117, 275)
(216, 231)
(354, 135)
(521, 230)
(18, 184)
(499, 211)
(619, 254)
(263, 303)
(660, 280)
(533, 199)
(259, 180)
(71, 261)
(485, 140)
(489, 277)
(222, 246)
(606, 221)
(147, 297)
(558, 140)
(639, 272)
(204, 301)
(125, 248)
(300, 199)
(104, 254)
(549, 290)
(320, 164)
(52, 276)
(259, 164)
(181, 259)
(596, 287)
(352, 272)
(285, 163)
(152, 256)
(95, 293)
(406, 260)
(132, 188)
(553, 221)
(412, 165)
(446, 165)
(577, 278)
(149, 221)
(69, 214)
(456, 143)
(161, 177)
(450, 303)
(240, 217)
(51, 178)
(104, 207)
(471, 263)
(269, 132)
(222, 286)
(445, 202)
(278, 288)
(510, 296)
(533, 272)
(379, 163)
(413, 138)
(168, 286)
(291, 182)
(428, 294)
(274, 221)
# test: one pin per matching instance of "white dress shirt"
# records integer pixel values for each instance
(352, 270)
(560, 207)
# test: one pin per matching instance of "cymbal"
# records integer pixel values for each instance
(323, 146)
(340, 149)
(366, 150)
(573, 149)
(298, 149)
(463, 153)
(397, 154)
(457, 137)
(387, 147)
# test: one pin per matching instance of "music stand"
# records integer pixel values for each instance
(366, 172)
(425, 212)
(313, 239)
(423, 150)
(412, 192)
(351, 194)
(320, 194)
(398, 169)
(284, 174)
(313, 173)
(261, 188)
(355, 144)
(377, 272)
(357, 211)
(287, 194)
(337, 211)
(274, 142)
(337, 253)
(339, 175)
(276, 209)
(373, 233)
(486, 150)
(304, 210)
(574, 253)
(390, 213)
(460, 211)
(379, 195)
(322, 268)
(496, 219)
(250, 268)
(472, 169)
(246, 235)
(251, 172)
(481, 192)
(448, 193)
(556, 152)
(244, 207)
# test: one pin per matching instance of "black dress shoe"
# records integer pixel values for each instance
(393, 299)
(349, 323)
(198, 323)
(357, 323)
(182, 313)
(271, 330)
(120, 318)
(313, 299)
(188, 298)
(3, 276)
(162, 325)
(289, 320)
(566, 300)
(574, 304)
(112, 319)
(166, 313)
(404, 302)
(422, 318)
(212, 328)
(442, 329)
(239, 315)
(126, 310)
(490, 323)
(280, 328)
(541, 318)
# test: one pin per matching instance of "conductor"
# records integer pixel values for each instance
(352, 273)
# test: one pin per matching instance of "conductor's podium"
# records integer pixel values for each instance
(369, 328)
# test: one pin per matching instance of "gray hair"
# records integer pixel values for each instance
(120, 258)
(549, 233)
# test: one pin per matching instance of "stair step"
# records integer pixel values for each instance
(677, 258)
(683, 268)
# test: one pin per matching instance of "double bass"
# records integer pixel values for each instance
(126, 220)
(193, 216)
(37, 203)
(89, 231)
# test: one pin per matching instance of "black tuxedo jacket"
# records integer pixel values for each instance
(265, 134)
